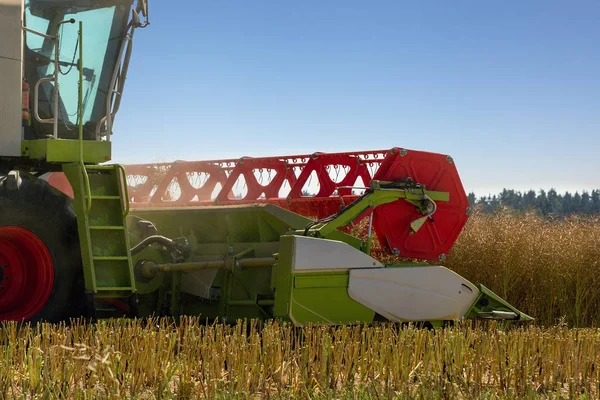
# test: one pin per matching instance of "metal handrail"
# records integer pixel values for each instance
(127, 44)
(54, 78)
(36, 100)
(119, 74)
(124, 188)
(86, 178)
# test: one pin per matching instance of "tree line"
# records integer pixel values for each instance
(545, 202)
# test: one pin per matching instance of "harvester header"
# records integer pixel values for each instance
(317, 186)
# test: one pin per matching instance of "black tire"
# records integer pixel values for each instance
(33, 204)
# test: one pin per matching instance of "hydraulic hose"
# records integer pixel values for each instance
(165, 241)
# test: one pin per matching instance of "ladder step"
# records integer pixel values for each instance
(98, 197)
(106, 228)
(111, 258)
(109, 268)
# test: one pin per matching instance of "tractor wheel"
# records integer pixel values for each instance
(40, 263)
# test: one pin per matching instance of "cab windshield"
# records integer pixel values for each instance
(104, 28)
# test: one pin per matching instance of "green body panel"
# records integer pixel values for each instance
(103, 232)
(258, 231)
(211, 235)
(282, 278)
(214, 233)
(488, 301)
(322, 298)
(66, 150)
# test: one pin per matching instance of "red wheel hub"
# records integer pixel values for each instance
(26, 273)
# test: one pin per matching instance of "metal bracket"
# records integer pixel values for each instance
(379, 193)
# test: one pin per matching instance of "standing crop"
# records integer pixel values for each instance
(547, 268)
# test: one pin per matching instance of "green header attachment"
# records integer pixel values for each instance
(380, 193)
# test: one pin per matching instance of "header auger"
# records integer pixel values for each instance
(183, 238)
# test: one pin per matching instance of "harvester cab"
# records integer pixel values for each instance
(79, 249)
(64, 67)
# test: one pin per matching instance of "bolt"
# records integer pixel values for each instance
(449, 159)
(442, 257)
(469, 211)
(403, 152)
(395, 251)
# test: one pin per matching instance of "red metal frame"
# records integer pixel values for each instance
(276, 180)
(329, 176)
(261, 179)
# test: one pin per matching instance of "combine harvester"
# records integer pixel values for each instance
(79, 237)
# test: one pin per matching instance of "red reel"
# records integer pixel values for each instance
(392, 221)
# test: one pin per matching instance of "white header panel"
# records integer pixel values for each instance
(312, 254)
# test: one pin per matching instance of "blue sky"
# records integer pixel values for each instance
(510, 89)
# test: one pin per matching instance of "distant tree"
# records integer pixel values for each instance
(472, 199)
(596, 201)
(586, 204)
(529, 200)
(577, 203)
(568, 205)
(542, 203)
(546, 203)
(555, 201)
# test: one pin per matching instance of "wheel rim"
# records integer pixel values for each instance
(26, 274)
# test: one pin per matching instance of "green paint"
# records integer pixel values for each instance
(322, 298)
(378, 194)
(80, 92)
(488, 301)
(216, 232)
(304, 281)
(104, 240)
(66, 150)
(283, 278)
